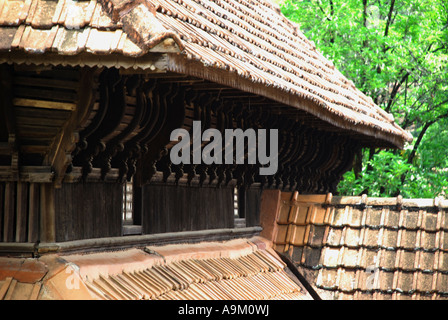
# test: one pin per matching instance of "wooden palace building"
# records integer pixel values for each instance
(90, 91)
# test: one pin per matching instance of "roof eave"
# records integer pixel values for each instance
(396, 137)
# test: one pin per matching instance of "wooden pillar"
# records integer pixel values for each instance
(8, 212)
(47, 213)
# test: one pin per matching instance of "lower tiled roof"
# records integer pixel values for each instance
(254, 276)
(242, 269)
(20, 279)
(367, 248)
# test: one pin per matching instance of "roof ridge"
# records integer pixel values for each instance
(130, 12)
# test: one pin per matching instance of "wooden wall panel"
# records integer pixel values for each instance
(19, 212)
(168, 208)
(252, 207)
(88, 210)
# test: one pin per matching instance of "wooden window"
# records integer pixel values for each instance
(240, 220)
(129, 222)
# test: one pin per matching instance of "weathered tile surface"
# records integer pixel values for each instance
(378, 251)
(251, 39)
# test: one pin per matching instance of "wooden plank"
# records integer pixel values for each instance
(44, 94)
(11, 288)
(37, 131)
(33, 213)
(97, 215)
(5, 287)
(44, 104)
(194, 209)
(42, 82)
(34, 149)
(252, 207)
(2, 205)
(57, 115)
(21, 211)
(9, 208)
(36, 290)
(47, 213)
(47, 121)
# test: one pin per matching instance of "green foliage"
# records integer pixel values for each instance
(382, 180)
(395, 51)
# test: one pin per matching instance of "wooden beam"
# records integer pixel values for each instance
(37, 174)
(45, 104)
(59, 154)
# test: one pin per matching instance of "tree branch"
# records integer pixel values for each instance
(389, 18)
(395, 89)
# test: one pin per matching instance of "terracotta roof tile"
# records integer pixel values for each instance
(44, 14)
(386, 281)
(388, 260)
(406, 282)
(425, 282)
(339, 217)
(319, 215)
(442, 283)
(37, 40)
(355, 217)
(409, 239)
(76, 14)
(351, 258)
(426, 261)
(252, 40)
(326, 279)
(407, 260)
(372, 238)
(13, 13)
(352, 237)
(443, 262)
(100, 20)
(347, 280)
(216, 281)
(430, 221)
(444, 240)
(429, 241)
(392, 219)
(310, 257)
(70, 42)
(411, 220)
(299, 235)
(241, 269)
(317, 235)
(393, 248)
(6, 37)
(334, 237)
(331, 257)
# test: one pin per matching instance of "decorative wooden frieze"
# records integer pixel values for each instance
(120, 125)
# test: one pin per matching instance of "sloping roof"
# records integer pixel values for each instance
(367, 248)
(243, 44)
(241, 269)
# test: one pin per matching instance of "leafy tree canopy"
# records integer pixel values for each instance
(395, 51)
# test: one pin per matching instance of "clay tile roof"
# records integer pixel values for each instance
(255, 46)
(367, 248)
(241, 269)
